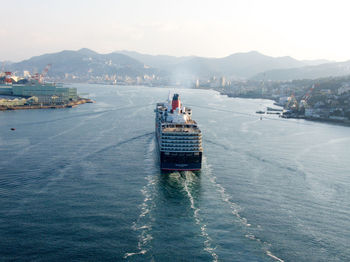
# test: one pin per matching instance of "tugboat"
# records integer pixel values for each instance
(179, 139)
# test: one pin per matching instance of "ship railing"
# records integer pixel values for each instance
(181, 148)
(181, 142)
(181, 136)
(177, 131)
(181, 145)
(181, 129)
(174, 138)
(172, 130)
(172, 133)
(188, 124)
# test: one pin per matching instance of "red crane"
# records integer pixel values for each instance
(40, 77)
(307, 96)
(46, 69)
(44, 73)
(8, 79)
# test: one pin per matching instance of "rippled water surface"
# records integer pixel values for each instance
(83, 184)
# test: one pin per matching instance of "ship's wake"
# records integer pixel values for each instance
(144, 222)
(235, 210)
(188, 178)
(187, 181)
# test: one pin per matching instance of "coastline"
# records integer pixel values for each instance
(72, 104)
(320, 120)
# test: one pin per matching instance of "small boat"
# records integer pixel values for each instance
(260, 112)
(274, 109)
(13, 129)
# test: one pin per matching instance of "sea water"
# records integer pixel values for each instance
(83, 184)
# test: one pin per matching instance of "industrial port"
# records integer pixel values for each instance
(31, 92)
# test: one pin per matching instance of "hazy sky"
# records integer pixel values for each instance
(304, 29)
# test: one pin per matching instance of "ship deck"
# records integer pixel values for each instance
(187, 130)
(188, 127)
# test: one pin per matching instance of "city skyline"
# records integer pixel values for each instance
(302, 30)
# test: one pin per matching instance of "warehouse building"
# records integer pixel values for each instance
(47, 93)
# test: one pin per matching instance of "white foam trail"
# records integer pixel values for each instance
(142, 252)
(235, 208)
(142, 224)
(273, 256)
(207, 243)
(145, 219)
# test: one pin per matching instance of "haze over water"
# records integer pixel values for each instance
(83, 184)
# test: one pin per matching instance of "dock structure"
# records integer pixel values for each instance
(15, 106)
(38, 96)
(42, 91)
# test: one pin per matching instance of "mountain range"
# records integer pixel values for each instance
(85, 63)
(306, 72)
(239, 65)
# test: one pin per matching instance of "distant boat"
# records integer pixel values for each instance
(260, 112)
(13, 129)
(274, 109)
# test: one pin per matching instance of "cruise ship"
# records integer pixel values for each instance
(178, 137)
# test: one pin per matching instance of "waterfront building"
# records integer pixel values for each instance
(45, 90)
(46, 93)
(5, 90)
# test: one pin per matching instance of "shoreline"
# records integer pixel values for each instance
(325, 120)
(320, 120)
(72, 104)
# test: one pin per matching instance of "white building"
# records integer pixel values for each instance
(343, 89)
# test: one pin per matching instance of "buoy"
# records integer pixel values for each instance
(13, 129)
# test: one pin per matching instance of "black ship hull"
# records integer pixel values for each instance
(178, 161)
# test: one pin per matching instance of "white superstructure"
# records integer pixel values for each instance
(179, 138)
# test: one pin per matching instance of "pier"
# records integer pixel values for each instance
(46, 106)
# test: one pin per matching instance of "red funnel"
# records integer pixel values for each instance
(176, 103)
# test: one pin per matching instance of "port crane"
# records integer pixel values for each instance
(44, 72)
(292, 103)
(304, 100)
(294, 108)
(40, 77)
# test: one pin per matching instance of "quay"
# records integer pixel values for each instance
(46, 106)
